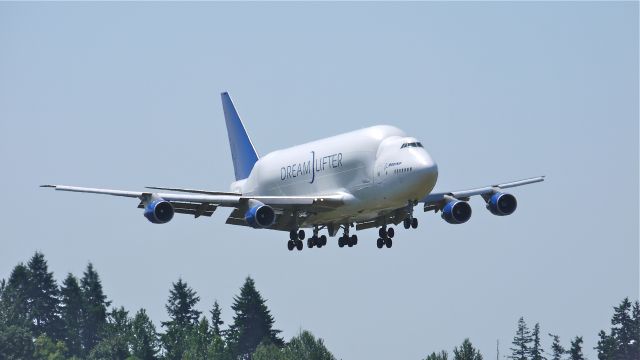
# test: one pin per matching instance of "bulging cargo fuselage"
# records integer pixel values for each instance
(377, 169)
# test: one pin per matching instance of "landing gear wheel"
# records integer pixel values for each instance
(311, 242)
(390, 232)
(341, 241)
(354, 239)
(301, 234)
(293, 235)
(349, 242)
(380, 243)
(290, 245)
(407, 223)
(382, 232)
(388, 243)
(414, 223)
(323, 240)
(299, 245)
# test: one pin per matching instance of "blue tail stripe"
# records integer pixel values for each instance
(242, 152)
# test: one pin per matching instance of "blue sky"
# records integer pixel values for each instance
(126, 95)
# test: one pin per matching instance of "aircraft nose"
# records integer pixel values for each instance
(427, 168)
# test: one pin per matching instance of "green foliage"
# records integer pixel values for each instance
(71, 311)
(183, 317)
(199, 339)
(442, 355)
(575, 353)
(623, 341)
(466, 352)
(145, 344)
(252, 322)
(536, 349)
(521, 342)
(14, 301)
(43, 295)
(16, 342)
(306, 346)
(268, 351)
(47, 349)
(557, 351)
(116, 336)
(94, 304)
(216, 321)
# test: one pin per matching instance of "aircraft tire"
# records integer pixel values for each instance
(380, 243)
(301, 235)
(407, 223)
(293, 235)
(390, 232)
(341, 241)
(388, 243)
(414, 223)
(354, 239)
(382, 233)
(310, 242)
(299, 245)
(290, 245)
(323, 240)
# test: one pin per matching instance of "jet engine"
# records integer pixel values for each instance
(502, 204)
(456, 212)
(260, 215)
(159, 211)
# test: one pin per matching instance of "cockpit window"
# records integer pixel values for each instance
(411, 144)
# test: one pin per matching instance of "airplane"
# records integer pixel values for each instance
(367, 178)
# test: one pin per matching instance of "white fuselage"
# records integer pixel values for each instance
(370, 167)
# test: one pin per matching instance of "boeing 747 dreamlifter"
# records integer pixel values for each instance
(373, 177)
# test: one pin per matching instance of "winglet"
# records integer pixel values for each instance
(242, 151)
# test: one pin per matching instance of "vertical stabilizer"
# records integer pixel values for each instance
(242, 151)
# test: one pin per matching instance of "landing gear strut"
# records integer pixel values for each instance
(315, 240)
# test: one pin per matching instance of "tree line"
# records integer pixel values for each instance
(40, 319)
(622, 342)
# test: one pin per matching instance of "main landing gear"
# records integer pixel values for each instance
(295, 240)
(345, 239)
(410, 223)
(386, 234)
(315, 240)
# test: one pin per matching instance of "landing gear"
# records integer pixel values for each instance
(410, 223)
(347, 240)
(385, 237)
(295, 240)
(315, 240)
(414, 223)
(294, 244)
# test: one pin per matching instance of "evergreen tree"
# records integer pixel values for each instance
(216, 322)
(268, 351)
(144, 338)
(183, 316)
(466, 352)
(44, 298)
(115, 339)
(95, 308)
(199, 340)
(536, 349)
(252, 322)
(16, 342)
(557, 351)
(622, 330)
(442, 355)
(575, 353)
(635, 331)
(306, 346)
(521, 342)
(607, 346)
(71, 310)
(15, 298)
(47, 349)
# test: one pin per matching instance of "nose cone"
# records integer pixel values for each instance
(427, 170)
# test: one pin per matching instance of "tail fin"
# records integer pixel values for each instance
(242, 152)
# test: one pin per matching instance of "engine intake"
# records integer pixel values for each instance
(456, 212)
(159, 211)
(260, 216)
(502, 204)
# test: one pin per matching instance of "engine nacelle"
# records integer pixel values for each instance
(260, 215)
(159, 211)
(456, 212)
(502, 204)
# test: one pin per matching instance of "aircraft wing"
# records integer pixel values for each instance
(434, 200)
(204, 203)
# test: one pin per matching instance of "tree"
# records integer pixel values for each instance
(536, 350)
(252, 322)
(521, 341)
(14, 301)
(95, 308)
(16, 343)
(71, 311)
(144, 338)
(306, 346)
(556, 348)
(635, 331)
(199, 339)
(44, 298)
(607, 346)
(466, 352)
(442, 355)
(575, 353)
(216, 322)
(47, 349)
(268, 351)
(623, 331)
(183, 316)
